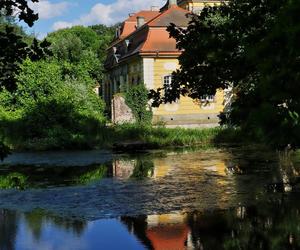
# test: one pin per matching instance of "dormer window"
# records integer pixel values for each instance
(116, 54)
(140, 21)
(118, 32)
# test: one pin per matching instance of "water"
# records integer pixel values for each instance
(223, 198)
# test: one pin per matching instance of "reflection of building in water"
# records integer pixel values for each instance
(126, 168)
(167, 232)
(123, 169)
(162, 167)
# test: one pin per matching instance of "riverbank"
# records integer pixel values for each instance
(152, 137)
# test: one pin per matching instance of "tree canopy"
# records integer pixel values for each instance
(82, 47)
(21, 8)
(250, 46)
(15, 46)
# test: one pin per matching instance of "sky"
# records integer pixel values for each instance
(58, 14)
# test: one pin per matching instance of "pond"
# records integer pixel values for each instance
(217, 198)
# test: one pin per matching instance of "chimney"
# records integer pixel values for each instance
(154, 8)
(140, 21)
(172, 3)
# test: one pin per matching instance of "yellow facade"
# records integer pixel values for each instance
(198, 6)
(135, 71)
(152, 69)
(185, 109)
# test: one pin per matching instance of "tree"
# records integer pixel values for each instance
(24, 12)
(82, 47)
(13, 52)
(250, 46)
(13, 46)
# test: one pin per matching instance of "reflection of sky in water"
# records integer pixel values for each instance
(103, 234)
(170, 184)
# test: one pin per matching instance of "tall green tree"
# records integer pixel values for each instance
(250, 46)
(82, 47)
(14, 48)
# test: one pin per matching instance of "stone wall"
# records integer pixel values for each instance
(121, 113)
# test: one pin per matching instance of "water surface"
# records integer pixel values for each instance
(224, 198)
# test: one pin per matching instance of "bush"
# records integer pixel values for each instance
(46, 106)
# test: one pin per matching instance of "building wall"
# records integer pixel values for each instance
(135, 71)
(120, 78)
(151, 72)
(197, 7)
(185, 112)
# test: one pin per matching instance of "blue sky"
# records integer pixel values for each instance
(57, 14)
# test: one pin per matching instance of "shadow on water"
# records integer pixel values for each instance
(226, 198)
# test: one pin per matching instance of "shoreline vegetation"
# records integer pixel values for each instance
(150, 137)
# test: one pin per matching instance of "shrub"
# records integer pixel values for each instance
(46, 106)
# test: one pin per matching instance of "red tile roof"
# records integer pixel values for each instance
(152, 39)
(129, 25)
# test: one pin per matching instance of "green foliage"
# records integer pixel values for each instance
(13, 180)
(143, 168)
(161, 137)
(15, 45)
(50, 103)
(14, 50)
(82, 47)
(47, 106)
(93, 176)
(24, 12)
(252, 46)
(137, 100)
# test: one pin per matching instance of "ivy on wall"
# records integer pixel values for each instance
(137, 100)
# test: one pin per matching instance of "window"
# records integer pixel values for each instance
(207, 98)
(167, 81)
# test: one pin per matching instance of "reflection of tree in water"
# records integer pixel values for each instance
(8, 229)
(92, 176)
(13, 180)
(272, 224)
(143, 168)
(269, 225)
(37, 219)
(138, 227)
(23, 177)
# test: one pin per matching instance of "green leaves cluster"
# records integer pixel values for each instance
(49, 104)
(47, 90)
(137, 100)
(253, 47)
(82, 47)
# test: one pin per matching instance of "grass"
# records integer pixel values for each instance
(154, 137)
(160, 137)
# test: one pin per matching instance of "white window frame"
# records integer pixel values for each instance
(208, 98)
(167, 81)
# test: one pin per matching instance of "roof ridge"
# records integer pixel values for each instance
(168, 10)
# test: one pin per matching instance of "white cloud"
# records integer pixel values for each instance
(48, 10)
(109, 14)
(61, 25)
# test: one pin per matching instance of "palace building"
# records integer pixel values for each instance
(143, 52)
